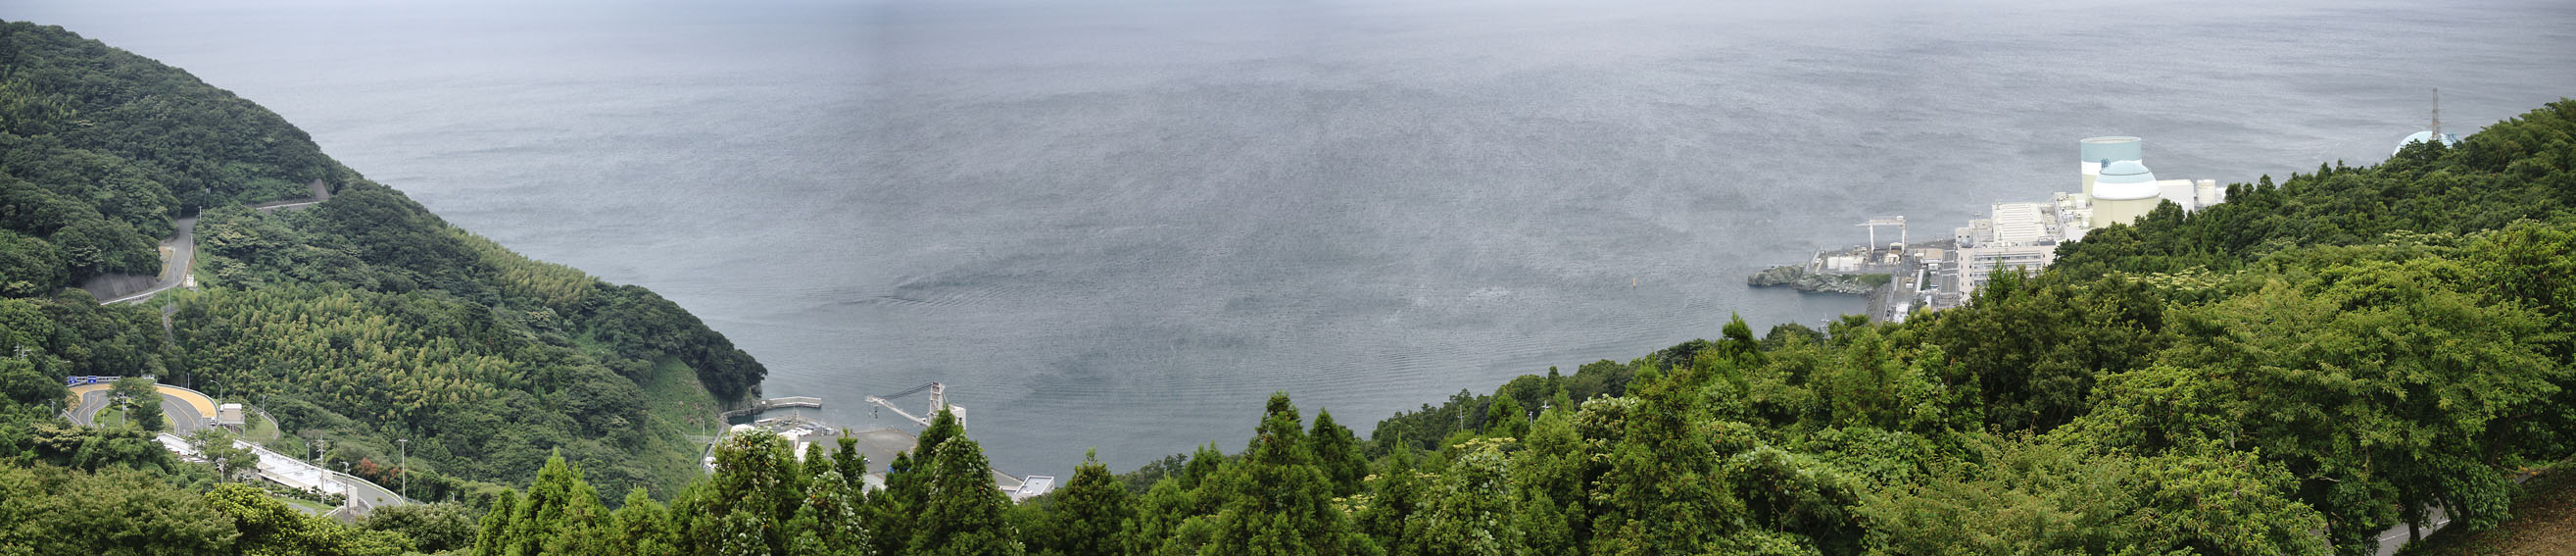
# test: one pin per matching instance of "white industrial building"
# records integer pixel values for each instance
(2015, 235)
(2116, 188)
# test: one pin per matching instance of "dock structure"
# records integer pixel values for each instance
(776, 403)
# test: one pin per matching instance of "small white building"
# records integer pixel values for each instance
(230, 415)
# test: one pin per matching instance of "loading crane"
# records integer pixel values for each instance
(938, 399)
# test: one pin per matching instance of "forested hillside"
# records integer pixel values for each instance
(2293, 372)
(2389, 340)
(355, 322)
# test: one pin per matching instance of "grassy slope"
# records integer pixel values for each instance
(676, 408)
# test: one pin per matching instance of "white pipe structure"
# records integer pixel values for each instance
(938, 400)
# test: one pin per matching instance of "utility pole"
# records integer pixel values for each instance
(404, 456)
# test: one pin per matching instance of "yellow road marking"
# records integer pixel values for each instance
(205, 406)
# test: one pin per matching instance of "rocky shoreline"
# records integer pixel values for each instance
(1797, 277)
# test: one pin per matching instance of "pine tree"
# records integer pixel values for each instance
(963, 514)
(642, 527)
(1337, 451)
(817, 462)
(1204, 463)
(1089, 515)
(830, 523)
(1394, 496)
(493, 534)
(1551, 469)
(896, 511)
(556, 514)
(1275, 499)
(1505, 419)
(891, 511)
(1662, 492)
(852, 464)
(742, 533)
(756, 474)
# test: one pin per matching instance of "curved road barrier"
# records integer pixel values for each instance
(364, 495)
(187, 409)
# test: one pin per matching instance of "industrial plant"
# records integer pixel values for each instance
(2114, 186)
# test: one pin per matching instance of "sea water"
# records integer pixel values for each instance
(1122, 224)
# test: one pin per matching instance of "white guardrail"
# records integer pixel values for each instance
(296, 473)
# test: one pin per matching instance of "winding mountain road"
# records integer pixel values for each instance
(182, 246)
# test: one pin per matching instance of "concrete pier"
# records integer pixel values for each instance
(808, 402)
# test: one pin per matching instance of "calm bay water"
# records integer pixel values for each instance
(1123, 223)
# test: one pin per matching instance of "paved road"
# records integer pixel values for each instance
(92, 400)
(273, 208)
(321, 193)
(2395, 538)
(174, 272)
(184, 418)
(296, 473)
(182, 245)
(187, 409)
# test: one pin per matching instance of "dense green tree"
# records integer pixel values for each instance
(758, 475)
(560, 514)
(1474, 511)
(492, 533)
(1205, 462)
(1505, 419)
(643, 527)
(1089, 516)
(963, 515)
(215, 447)
(1554, 469)
(2035, 496)
(2037, 377)
(1661, 491)
(2378, 382)
(852, 465)
(1276, 500)
(892, 511)
(29, 266)
(94, 247)
(1792, 493)
(1395, 494)
(56, 511)
(1162, 514)
(269, 527)
(829, 524)
(1338, 453)
(432, 528)
(141, 401)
